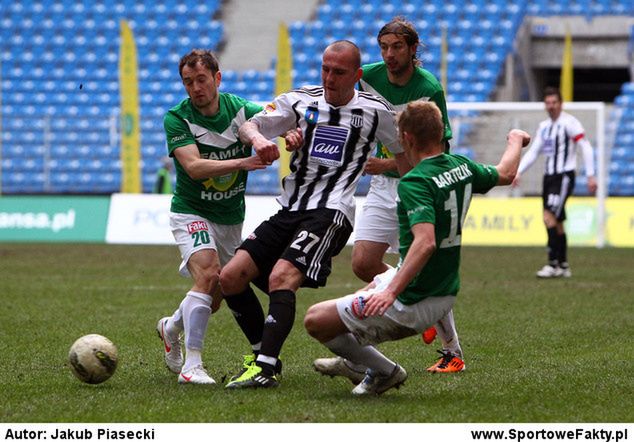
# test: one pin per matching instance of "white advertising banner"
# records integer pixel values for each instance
(139, 219)
(144, 218)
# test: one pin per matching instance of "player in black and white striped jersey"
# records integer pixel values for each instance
(294, 247)
(558, 138)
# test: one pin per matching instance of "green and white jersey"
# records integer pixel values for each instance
(438, 191)
(422, 86)
(219, 199)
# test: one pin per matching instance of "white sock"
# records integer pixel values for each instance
(194, 358)
(196, 310)
(270, 360)
(347, 346)
(446, 329)
(174, 324)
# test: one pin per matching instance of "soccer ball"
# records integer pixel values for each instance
(93, 359)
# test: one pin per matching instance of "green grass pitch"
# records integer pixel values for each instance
(536, 351)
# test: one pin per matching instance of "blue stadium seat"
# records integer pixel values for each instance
(78, 43)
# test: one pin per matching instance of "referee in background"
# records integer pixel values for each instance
(557, 139)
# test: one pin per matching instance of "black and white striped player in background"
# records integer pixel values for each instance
(294, 247)
(557, 139)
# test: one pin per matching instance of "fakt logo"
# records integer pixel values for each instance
(197, 226)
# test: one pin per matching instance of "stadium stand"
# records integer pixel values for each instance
(58, 137)
(621, 168)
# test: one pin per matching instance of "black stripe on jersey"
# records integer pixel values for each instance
(311, 91)
(302, 167)
(349, 151)
(334, 117)
(548, 161)
(293, 160)
(566, 147)
(321, 170)
(297, 114)
(378, 99)
(366, 150)
(555, 157)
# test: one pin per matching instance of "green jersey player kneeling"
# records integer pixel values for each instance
(433, 199)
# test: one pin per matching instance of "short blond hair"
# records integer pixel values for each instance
(422, 120)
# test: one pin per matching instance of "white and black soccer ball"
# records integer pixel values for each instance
(93, 358)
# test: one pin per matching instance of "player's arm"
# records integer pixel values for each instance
(509, 163)
(529, 157)
(422, 248)
(277, 119)
(588, 160)
(266, 149)
(181, 145)
(199, 168)
(379, 166)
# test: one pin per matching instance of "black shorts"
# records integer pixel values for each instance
(557, 189)
(308, 239)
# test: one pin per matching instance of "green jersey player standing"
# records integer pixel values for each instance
(433, 200)
(207, 208)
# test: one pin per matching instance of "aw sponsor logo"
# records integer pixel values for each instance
(328, 145)
(197, 226)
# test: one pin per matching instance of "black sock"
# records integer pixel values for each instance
(563, 248)
(553, 245)
(248, 313)
(279, 322)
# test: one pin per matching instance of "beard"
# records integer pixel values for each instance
(397, 69)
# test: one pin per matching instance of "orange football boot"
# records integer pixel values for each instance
(448, 363)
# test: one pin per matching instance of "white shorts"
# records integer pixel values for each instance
(193, 233)
(398, 322)
(378, 221)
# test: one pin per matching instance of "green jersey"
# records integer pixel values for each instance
(438, 191)
(219, 199)
(422, 86)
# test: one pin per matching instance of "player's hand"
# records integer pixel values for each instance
(522, 135)
(516, 181)
(377, 166)
(294, 139)
(378, 303)
(266, 149)
(592, 185)
(253, 163)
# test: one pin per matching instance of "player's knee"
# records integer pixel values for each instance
(358, 268)
(208, 278)
(363, 267)
(229, 281)
(312, 322)
(285, 276)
